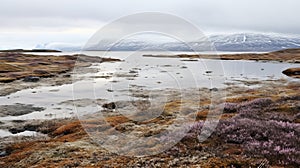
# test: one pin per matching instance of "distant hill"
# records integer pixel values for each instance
(247, 42)
(60, 46)
(254, 42)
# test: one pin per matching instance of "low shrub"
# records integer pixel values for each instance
(273, 137)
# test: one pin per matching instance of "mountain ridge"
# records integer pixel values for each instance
(235, 42)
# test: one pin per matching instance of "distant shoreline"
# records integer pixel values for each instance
(33, 50)
(288, 55)
(29, 67)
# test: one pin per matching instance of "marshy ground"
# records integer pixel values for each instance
(259, 126)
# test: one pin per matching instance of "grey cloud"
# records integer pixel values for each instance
(257, 15)
(20, 17)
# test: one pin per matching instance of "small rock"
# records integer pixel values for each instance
(132, 71)
(109, 90)
(67, 76)
(111, 105)
(16, 130)
(31, 79)
(203, 158)
(214, 89)
(3, 153)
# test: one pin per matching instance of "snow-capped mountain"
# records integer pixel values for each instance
(253, 42)
(60, 46)
(128, 45)
(224, 42)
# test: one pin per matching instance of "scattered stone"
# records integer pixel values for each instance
(16, 130)
(214, 89)
(3, 153)
(67, 76)
(111, 105)
(54, 90)
(132, 71)
(31, 79)
(109, 90)
(189, 60)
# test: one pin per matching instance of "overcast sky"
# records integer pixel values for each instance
(25, 23)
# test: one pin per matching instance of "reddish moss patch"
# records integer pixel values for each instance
(116, 120)
(69, 132)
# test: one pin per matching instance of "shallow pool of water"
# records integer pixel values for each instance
(5, 133)
(137, 71)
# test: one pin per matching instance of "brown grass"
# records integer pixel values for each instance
(117, 120)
